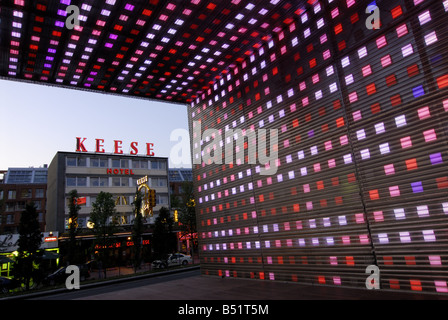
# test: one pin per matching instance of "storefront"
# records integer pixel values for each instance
(9, 250)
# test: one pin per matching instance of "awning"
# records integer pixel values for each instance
(4, 259)
(48, 255)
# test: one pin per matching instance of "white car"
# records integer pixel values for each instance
(176, 259)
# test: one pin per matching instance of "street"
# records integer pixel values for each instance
(108, 292)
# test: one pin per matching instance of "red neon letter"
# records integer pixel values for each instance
(99, 145)
(149, 148)
(80, 145)
(118, 147)
(134, 148)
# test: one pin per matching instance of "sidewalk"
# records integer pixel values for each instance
(119, 271)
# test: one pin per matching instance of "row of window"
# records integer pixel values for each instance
(21, 205)
(24, 194)
(115, 163)
(72, 181)
(9, 219)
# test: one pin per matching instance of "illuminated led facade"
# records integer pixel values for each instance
(361, 117)
(362, 175)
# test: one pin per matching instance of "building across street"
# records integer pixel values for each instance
(92, 173)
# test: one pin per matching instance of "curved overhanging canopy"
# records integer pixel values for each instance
(165, 50)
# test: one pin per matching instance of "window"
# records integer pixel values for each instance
(116, 163)
(12, 194)
(139, 164)
(26, 193)
(40, 193)
(10, 219)
(76, 181)
(159, 182)
(99, 182)
(161, 199)
(76, 162)
(120, 182)
(158, 165)
(98, 162)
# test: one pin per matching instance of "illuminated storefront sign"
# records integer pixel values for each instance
(117, 147)
(10, 242)
(149, 196)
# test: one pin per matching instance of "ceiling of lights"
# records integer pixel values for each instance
(165, 50)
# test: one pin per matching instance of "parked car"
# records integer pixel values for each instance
(7, 284)
(60, 275)
(176, 259)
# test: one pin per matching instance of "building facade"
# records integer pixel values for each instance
(92, 173)
(359, 170)
(176, 177)
(20, 186)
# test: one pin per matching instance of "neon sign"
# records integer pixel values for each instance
(117, 147)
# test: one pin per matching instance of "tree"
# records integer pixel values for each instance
(30, 239)
(164, 238)
(137, 229)
(187, 208)
(73, 209)
(104, 224)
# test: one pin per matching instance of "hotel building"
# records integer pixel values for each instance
(91, 173)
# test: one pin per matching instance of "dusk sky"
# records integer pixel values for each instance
(37, 121)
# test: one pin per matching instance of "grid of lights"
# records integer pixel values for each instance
(362, 152)
(153, 49)
(361, 114)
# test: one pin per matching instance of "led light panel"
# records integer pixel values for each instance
(359, 118)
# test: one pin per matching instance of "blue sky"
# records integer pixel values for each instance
(36, 121)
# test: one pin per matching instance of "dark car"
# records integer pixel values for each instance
(60, 275)
(7, 284)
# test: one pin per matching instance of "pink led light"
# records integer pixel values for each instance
(381, 42)
(394, 191)
(389, 169)
(441, 286)
(429, 236)
(430, 135)
(424, 113)
(406, 142)
(378, 216)
(402, 30)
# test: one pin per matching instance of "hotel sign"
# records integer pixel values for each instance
(117, 147)
(127, 172)
(149, 197)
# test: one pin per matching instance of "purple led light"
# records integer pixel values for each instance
(417, 187)
(129, 7)
(436, 158)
